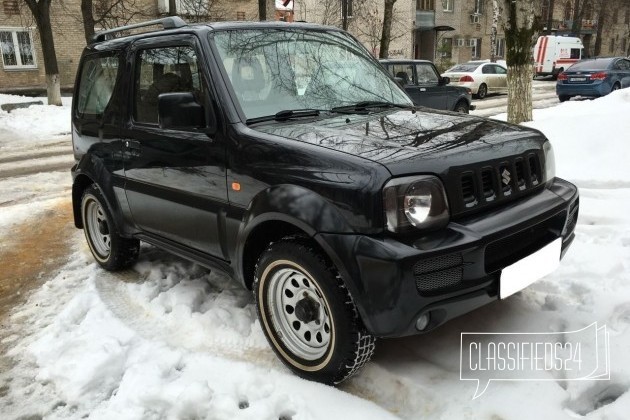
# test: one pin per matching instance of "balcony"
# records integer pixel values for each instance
(425, 19)
(589, 26)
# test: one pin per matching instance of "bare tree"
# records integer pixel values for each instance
(521, 28)
(367, 24)
(388, 14)
(109, 14)
(493, 30)
(262, 10)
(40, 10)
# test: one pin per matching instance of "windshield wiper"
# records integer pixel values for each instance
(285, 115)
(365, 105)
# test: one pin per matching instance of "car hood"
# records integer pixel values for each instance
(406, 142)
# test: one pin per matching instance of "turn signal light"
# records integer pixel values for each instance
(466, 78)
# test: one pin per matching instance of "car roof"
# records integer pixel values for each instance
(121, 42)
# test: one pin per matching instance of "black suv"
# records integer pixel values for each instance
(426, 87)
(285, 156)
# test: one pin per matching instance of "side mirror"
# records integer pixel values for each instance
(180, 110)
(445, 80)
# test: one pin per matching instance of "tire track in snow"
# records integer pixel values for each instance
(116, 298)
(392, 392)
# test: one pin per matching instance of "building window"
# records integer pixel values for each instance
(478, 7)
(475, 43)
(348, 8)
(499, 51)
(447, 5)
(425, 4)
(17, 49)
(446, 49)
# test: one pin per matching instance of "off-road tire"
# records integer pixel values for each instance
(115, 252)
(349, 347)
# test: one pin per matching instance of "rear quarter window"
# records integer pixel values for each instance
(96, 84)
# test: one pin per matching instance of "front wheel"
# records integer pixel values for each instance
(482, 91)
(308, 315)
(563, 98)
(110, 250)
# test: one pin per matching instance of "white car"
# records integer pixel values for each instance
(481, 77)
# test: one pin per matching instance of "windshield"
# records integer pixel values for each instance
(272, 70)
(463, 67)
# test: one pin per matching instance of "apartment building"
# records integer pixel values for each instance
(22, 64)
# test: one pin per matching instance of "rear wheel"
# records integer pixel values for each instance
(615, 87)
(307, 313)
(482, 91)
(462, 107)
(110, 250)
(564, 98)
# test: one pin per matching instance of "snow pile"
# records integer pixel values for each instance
(35, 123)
(591, 138)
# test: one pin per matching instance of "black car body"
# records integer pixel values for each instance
(191, 164)
(426, 87)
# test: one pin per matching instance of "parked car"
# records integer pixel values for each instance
(481, 77)
(286, 157)
(596, 77)
(426, 87)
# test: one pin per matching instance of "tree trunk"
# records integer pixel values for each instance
(344, 15)
(41, 13)
(549, 17)
(578, 12)
(388, 15)
(172, 8)
(521, 28)
(262, 10)
(493, 30)
(601, 18)
(88, 19)
(519, 81)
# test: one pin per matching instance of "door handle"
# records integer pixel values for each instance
(423, 89)
(133, 147)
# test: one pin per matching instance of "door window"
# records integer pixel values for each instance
(164, 70)
(499, 70)
(404, 71)
(426, 74)
(96, 85)
(488, 70)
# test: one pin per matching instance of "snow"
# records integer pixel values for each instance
(40, 123)
(170, 339)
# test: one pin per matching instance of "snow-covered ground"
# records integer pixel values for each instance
(170, 339)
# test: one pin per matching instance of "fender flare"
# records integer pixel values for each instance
(303, 209)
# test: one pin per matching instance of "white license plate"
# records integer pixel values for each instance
(578, 79)
(531, 268)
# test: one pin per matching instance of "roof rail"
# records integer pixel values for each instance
(170, 22)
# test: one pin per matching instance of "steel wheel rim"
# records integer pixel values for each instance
(98, 228)
(307, 340)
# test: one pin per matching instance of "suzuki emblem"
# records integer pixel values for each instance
(506, 177)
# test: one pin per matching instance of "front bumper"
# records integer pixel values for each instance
(451, 272)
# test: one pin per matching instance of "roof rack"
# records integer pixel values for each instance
(171, 22)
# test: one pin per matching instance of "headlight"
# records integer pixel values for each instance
(418, 201)
(550, 161)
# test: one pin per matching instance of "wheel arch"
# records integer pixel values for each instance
(284, 211)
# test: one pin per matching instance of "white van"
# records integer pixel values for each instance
(553, 54)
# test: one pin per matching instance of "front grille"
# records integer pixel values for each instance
(507, 251)
(493, 182)
(439, 273)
